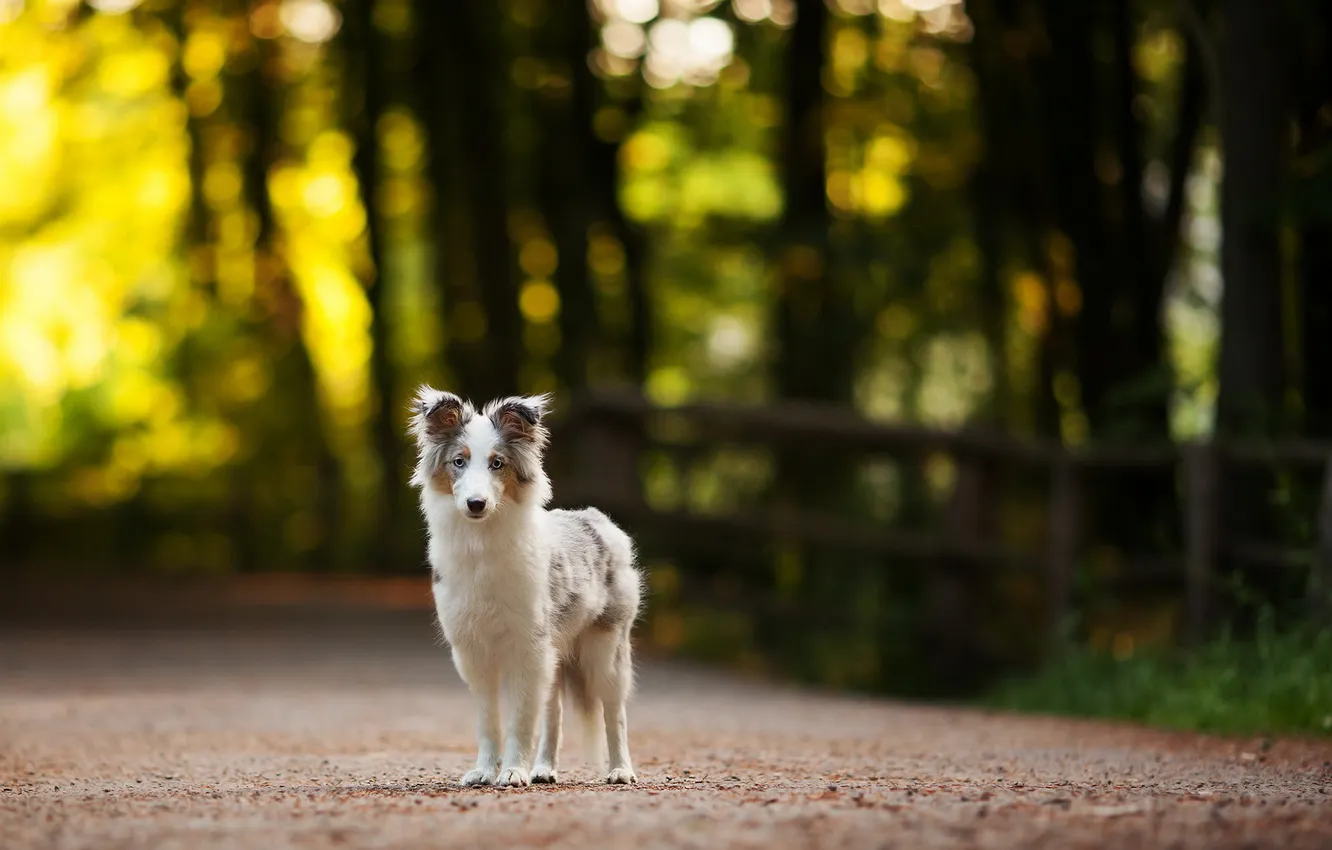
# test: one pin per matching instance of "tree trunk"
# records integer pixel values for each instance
(464, 87)
(196, 231)
(566, 126)
(263, 117)
(365, 46)
(1012, 187)
(1315, 263)
(815, 358)
(1137, 369)
(1070, 96)
(1252, 372)
(1253, 134)
(477, 76)
(805, 221)
(1315, 272)
(993, 181)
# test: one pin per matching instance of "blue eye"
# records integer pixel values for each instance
(496, 463)
(460, 462)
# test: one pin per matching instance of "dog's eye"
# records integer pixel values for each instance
(496, 463)
(459, 462)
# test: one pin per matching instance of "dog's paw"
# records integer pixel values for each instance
(513, 777)
(621, 776)
(479, 776)
(544, 774)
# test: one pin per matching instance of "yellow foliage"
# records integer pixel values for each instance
(841, 190)
(402, 140)
(222, 183)
(94, 294)
(538, 258)
(203, 97)
(134, 73)
(881, 194)
(645, 151)
(28, 135)
(889, 151)
(539, 301)
(137, 341)
(849, 54)
(336, 328)
(897, 322)
(605, 255)
(668, 386)
(1068, 297)
(1029, 293)
(205, 53)
(399, 197)
(323, 195)
(247, 379)
(1158, 54)
(136, 396)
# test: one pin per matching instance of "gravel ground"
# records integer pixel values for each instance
(342, 733)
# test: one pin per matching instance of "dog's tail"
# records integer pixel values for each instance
(588, 708)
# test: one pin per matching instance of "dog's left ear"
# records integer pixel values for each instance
(520, 417)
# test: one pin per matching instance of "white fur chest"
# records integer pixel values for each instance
(488, 581)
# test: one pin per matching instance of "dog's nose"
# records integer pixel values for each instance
(476, 506)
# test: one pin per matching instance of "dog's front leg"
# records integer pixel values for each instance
(548, 747)
(483, 681)
(526, 686)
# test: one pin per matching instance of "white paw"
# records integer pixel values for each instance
(479, 776)
(544, 774)
(621, 776)
(513, 777)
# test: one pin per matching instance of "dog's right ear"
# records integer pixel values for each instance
(436, 415)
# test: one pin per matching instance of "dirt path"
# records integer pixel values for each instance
(330, 734)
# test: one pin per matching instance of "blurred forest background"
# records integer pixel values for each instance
(236, 234)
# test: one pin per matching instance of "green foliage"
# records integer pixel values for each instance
(1277, 681)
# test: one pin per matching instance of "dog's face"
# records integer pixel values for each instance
(484, 459)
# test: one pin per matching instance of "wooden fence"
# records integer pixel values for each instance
(603, 436)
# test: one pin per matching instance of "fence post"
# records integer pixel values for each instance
(966, 509)
(1200, 505)
(1065, 518)
(1320, 571)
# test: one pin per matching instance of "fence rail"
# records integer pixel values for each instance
(609, 431)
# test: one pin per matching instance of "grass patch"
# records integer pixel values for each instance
(1275, 682)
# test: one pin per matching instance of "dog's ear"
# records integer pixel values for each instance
(437, 415)
(520, 417)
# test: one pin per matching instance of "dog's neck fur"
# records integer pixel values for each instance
(508, 547)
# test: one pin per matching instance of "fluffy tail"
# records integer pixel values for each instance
(588, 708)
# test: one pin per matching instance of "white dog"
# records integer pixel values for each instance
(532, 601)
